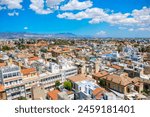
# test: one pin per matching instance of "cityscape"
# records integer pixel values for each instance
(74, 50)
(56, 69)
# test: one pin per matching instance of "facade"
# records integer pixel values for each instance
(83, 86)
(38, 92)
(10, 77)
(2, 93)
(122, 83)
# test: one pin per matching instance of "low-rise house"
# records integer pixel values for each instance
(53, 95)
(121, 83)
(99, 75)
(98, 93)
(83, 86)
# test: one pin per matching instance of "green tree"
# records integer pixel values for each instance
(68, 85)
(22, 98)
(5, 48)
(102, 82)
(44, 50)
(57, 84)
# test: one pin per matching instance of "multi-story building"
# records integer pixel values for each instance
(11, 78)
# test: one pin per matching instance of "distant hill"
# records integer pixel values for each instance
(10, 35)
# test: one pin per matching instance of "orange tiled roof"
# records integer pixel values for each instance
(53, 94)
(2, 64)
(98, 92)
(101, 74)
(78, 49)
(28, 71)
(115, 66)
(1, 88)
(122, 80)
(35, 58)
(65, 49)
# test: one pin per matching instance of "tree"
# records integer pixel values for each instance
(5, 48)
(102, 82)
(22, 98)
(57, 84)
(119, 48)
(68, 85)
(44, 50)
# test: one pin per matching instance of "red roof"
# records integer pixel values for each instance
(35, 58)
(1, 88)
(2, 64)
(28, 71)
(53, 94)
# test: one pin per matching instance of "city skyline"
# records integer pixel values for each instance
(81, 17)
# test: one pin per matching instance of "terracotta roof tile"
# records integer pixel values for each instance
(98, 92)
(53, 94)
(116, 67)
(101, 74)
(28, 71)
(122, 80)
(1, 88)
(2, 64)
(35, 58)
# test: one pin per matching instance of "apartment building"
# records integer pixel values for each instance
(10, 77)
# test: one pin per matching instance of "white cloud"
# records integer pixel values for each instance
(25, 28)
(93, 13)
(54, 3)
(11, 4)
(142, 16)
(144, 29)
(39, 7)
(101, 33)
(76, 5)
(14, 13)
(137, 19)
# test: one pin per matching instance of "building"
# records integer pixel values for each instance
(10, 77)
(83, 86)
(122, 83)
(53, 95)
(2, 93)
(38, 92)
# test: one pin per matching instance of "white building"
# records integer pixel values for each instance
(11, 78)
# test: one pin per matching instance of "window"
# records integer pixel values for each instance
(5, 76)
(14, 74)
(9, 75)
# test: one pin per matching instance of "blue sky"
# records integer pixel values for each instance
(103, 18)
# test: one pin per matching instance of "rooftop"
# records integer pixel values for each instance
(53, 94)
(122, 80)
(35, 58)
(78, 78)
(1, 88)
(101, 74)
(28, 71)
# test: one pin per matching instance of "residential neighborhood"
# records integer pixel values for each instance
(75, 69)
